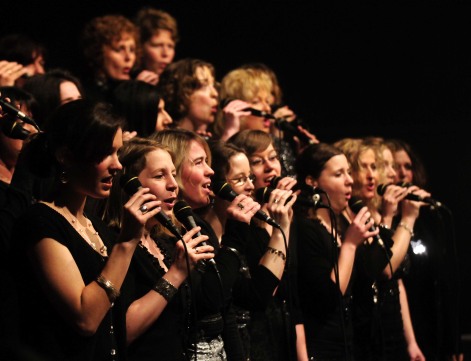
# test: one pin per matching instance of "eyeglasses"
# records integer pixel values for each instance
(259, 161)
(242, 180)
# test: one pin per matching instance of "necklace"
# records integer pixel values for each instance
(87, 232)
(338, 236)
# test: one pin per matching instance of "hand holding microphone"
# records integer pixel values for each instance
(224, 191)
(133, 187)
(8, 108)
(417, 194)
(184, 214)
(362, 226)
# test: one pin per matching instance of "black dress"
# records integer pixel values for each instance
(432, 285)
(251, 292)
(377, 319)
(43, 330)
(271, 320)
(330, 318)
(166, 336)
(326, 312)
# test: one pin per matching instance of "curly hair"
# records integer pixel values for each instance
(104, 30)
(178, 81)
(242, 83)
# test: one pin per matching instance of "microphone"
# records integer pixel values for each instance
(356, 204)
(10, 109)
(274, 182)
(184, 214)
(263, 194)
(255, 112)
(411, 196)
(223, 190)
(286, 126)
(131, 185)
(12, 129)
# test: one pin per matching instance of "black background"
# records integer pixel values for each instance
(386, 68)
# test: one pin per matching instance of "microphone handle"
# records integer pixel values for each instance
(9, 108)
(285, 126)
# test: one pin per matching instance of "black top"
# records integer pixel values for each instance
(43, 329)
(377, 318)
(257, 290)
(165, 337)
(432, 285)
(272, 323)
(327, 313)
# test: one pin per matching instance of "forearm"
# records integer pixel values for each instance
(301, 349)
(345, 266)
(275, 257)
(401, 237)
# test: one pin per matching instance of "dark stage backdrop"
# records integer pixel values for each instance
(399, 69)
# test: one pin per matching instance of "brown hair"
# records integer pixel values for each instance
(251, 140)
(178, 81)
(104, 30)
(132, 156)
(150, 21)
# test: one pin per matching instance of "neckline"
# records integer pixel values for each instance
(84, 232)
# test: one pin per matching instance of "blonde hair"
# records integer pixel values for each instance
(178, 140)
(243, 84)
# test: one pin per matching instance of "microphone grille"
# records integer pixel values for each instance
(274, 182)
(262, 194)
(181, 208)
(355, 204)
(221, 188)
(382, 188)
(129, 183)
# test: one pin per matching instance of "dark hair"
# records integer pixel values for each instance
(83, 128)
(138, 102)
(150, 21)
(20, 48)
(418, 169)
(178, 81)
(46, 90)
(251, 140)
(221, 153)
(18, 96)
(312, 160)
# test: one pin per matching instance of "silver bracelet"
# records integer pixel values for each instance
(407, 228)
(109, 288)
(165, 289)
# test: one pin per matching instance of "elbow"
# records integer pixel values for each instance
(388, 273)
(86, 328)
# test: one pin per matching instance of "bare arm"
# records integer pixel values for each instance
(413, 349)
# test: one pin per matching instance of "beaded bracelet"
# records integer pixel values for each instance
(165, 289)
(277, 252)
(109, 288)
(407, 228)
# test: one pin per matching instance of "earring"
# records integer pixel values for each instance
(63, 178)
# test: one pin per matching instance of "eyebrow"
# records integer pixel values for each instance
(198, 158)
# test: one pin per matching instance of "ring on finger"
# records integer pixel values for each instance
(276, 200)
(240, 205)
(196, 250)
(144, 209)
